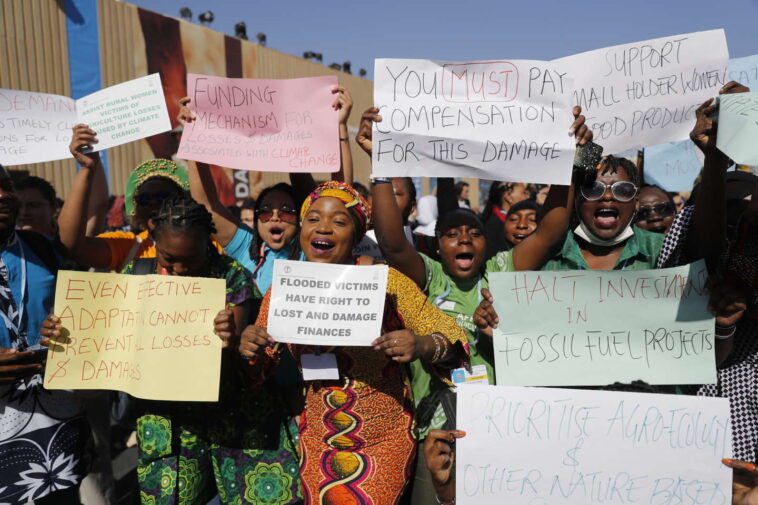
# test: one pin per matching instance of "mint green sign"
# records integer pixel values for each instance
(593, 328)
(738, 127)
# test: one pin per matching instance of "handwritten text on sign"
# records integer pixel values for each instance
(738, 127)
(592, 328)
(148, 335)
(36, 127)
(535, 446)
(125, 112)
(501, 120)
(270, 125)
(325, 304)
(673, 166)
(646, 93)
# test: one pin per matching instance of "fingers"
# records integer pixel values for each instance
(485, 315)
(740, 465)
(705, 105)
(253, 341)
(185, 115)
(224, 326)
(184, 100)
(10, 373)
(51, 327)
(733, 87)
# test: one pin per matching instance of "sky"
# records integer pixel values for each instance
(359, 31)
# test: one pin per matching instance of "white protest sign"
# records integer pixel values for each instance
(125, 112)
(583, 328)
(646, 93)
(326, 304)
(738, 127)
(498, 120)
(535, 446)
(34, 127)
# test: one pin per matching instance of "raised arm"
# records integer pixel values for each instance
(707, 235)
(343, 103)
(72, 221)
(536, 249)
(387, 218)
(98, 205)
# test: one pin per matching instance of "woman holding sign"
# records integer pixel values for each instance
(356, 439)
(454, 283)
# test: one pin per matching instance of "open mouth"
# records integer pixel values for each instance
(322, 245)
(606, 217)
(276, 233)
(464, 260)
(518, 237)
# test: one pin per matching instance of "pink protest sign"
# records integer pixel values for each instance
(269, 125)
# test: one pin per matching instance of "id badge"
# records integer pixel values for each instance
(319, 367)
(478, 375)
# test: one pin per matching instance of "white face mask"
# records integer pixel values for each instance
(584, 233)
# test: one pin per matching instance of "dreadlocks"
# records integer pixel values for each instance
(182, 213)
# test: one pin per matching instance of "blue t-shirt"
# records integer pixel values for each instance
(239, 249)
(35, 299)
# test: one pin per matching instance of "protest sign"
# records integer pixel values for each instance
(498, 120)
(592, 328)
(673, 166)
(744, 70)
(326, 304)
(148, 335)
(34, 127)
(125, 112)
(646, 93)
(545, 446)
(269, 125)
(738, 127)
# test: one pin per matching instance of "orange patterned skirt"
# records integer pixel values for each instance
(356, 442)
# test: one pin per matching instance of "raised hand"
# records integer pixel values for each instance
(363, 137)
(82, 139)
(185, 115)
(485, 317)
(581, 131)
(343, 103)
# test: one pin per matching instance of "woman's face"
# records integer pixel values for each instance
(462, 251)
(327, 234)
(516, 193)
(181, 253)
(36, 213)
(520, 224)
(655, 211)
(277, 220)
(607, 217)
(149, 196)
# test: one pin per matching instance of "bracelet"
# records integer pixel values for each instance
(440, 502)
(381, 180)
(725, 332)
(345, 139)
(440, 350)
(437, 348)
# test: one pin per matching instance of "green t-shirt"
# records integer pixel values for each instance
(640, 253)
(458, 299)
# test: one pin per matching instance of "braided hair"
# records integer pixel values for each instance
(185, 215)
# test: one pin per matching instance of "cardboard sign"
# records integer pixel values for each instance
(148, 335)
(499, 120)
(593, 328)
(36, 127)
(269, 125)
(738, 127)
(646, 93)
(538, 446)
(325, 304)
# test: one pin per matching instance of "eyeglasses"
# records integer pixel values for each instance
(148, 198)
(663, 209)
(285, 214)
(623, 191)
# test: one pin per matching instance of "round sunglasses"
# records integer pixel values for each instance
(286, 214)
(663, 209)
(623, 191)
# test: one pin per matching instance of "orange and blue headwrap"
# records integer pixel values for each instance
(359, 210)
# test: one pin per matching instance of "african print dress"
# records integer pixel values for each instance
(357, 439)
(242, 448)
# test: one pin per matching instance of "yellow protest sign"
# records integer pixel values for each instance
(148, 335)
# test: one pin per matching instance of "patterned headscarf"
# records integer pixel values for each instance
(358, 208)
(146, 171)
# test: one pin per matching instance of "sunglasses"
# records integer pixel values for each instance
(286, 214)
(663, 209)
(623, 191)
(148, 198)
